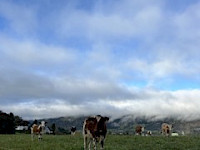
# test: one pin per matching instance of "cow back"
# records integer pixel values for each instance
(139, 129)
(90, 126)
(166, 128)
(36, 129)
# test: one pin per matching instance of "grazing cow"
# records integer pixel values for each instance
(38, 130)
(149, 133)
(73, 130)
(166, 129)
(94, 129)
(139, 129)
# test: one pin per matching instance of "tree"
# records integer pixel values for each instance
(7, 123)
(18, 120)
(53, 127)
(11, 126)
(35, 122)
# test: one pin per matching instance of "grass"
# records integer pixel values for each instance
(113, 142)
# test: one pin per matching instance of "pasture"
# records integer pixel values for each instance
(113, 142)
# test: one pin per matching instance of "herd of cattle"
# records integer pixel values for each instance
(95, 130)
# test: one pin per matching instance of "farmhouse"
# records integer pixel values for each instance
(21, 128)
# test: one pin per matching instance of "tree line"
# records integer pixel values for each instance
(8, 122)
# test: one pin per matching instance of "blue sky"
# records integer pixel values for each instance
(109, 57)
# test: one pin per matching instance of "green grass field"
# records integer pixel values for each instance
(113, 142)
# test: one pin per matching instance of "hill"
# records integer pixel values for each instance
(126, 124)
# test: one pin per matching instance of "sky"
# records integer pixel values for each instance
(108, 57)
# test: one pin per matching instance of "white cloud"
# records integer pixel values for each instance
(20, 18)
(187, 23)
(30, 52)
(92, 56)
(114, 24)
(44, 110)
(155, 70)
(182, 104)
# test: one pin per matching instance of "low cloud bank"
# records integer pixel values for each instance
(182, 104)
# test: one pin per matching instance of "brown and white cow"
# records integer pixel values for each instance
(94, 130)
(139, 129)
(38, 130)
(166, 129)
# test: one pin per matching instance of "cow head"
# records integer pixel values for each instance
(101, 126)
(170, 127)
(101, 118)
(104, 119)
(42, 126)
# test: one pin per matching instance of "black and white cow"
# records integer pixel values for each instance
(94, 130)
(73, 130)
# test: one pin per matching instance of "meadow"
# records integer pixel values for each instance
(113, 142)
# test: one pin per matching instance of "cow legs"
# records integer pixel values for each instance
(94, 144)
(85, 143)
(163, 132)
(32, 136)
(102, 142)
(39, 137)
(89, 145)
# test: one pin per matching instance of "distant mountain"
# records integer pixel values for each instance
(126, 124)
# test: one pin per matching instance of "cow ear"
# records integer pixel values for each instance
(106, 118)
